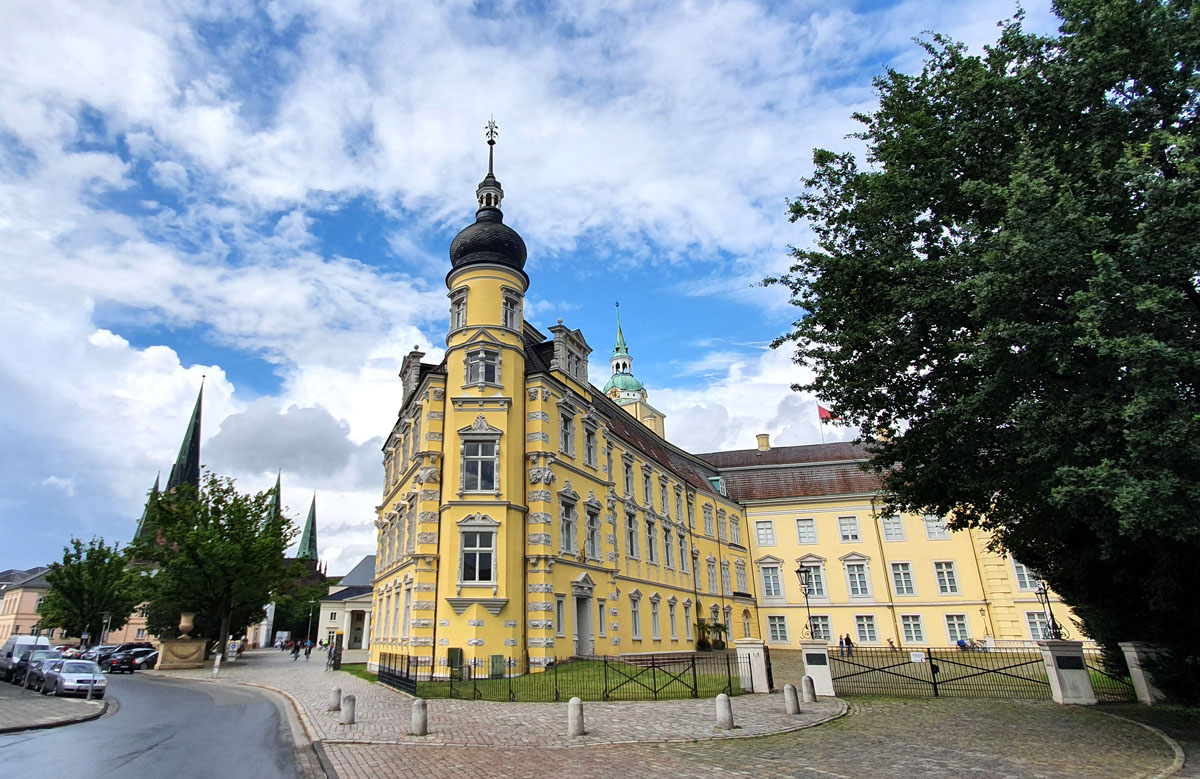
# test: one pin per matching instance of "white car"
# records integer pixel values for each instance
(73, 677)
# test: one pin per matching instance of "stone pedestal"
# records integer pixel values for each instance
(816, 666)
(179, 653)
(754, 678)
(1067, 671)
(1136, 655)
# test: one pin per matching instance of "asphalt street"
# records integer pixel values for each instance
(163, 728)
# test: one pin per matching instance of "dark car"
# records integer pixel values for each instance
(96, 652)
(36, 658)
(148, 660)
(117, 662)
(37, 674)
(135, 645)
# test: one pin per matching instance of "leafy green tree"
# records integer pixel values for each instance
(91, 581)
(293, 607)
(217, 552)
(1005, 301)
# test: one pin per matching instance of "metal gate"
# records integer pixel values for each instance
(398, 671)
(1109, 676)
(952, 672)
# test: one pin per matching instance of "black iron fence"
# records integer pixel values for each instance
(596, 678)
(1109, 675)
(952, 672)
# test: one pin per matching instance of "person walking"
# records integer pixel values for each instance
(849, 646)
(295, 651)
(307, 648)
(841, 646)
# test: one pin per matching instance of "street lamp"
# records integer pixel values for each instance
(107, 617)
(804, 574)
(308, 632)
(1043, 596)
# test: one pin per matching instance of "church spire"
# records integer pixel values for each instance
(308, 540)
(154, 492)
(276, 500)
(186, 469)
(620, 349)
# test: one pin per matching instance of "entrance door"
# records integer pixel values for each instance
(583, 625)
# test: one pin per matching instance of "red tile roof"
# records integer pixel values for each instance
(794, 471)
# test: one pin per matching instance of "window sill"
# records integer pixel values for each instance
(483, 384)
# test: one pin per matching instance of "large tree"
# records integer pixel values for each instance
(1005, 301)
(217, 552)
(92, 584)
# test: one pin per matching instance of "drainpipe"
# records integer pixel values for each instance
(887, 574)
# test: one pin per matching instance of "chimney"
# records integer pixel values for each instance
(764, 442)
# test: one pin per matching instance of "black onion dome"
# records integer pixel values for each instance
(488, 240)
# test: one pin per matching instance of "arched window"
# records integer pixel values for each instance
(745, 623)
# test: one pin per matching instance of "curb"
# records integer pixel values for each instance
(1180, 757)
(60, 723)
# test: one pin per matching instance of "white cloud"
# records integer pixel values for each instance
(58, 483)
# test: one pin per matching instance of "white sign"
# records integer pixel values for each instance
(916, 657)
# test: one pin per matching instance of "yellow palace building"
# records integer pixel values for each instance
(528, 515)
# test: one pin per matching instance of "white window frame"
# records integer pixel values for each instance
(480, 459)
(458, 309)
(935, 528)
(709, 521)
(766, 538)
(866, 629)
(668, 547)
(481, 527)
(655, 628)
(777, 629)
(772, 580)
(683, 544)
(631, 535)
(862, 567)
(1026, 580)
(592, 539)
(687, 619)
(849, 531)
(726, 579)
(512, 311)
(671, 617)
(712, 576)
(1038, 625)
(893, 527)
(912, 627)
(817, 575)
(568, 527)
(821, 627)
(480, 360)
(566, 432)
(902, 571)
(560, 616)
(603, 615)
(946, 574)
(802, 525)
(635, 616)
(952, 632)
(651, 542)
(648, 487)
(739, 573)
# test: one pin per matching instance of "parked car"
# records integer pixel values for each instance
(146, 661)
(36, 657)
(16, 647)
(74, 677)
(121, 662)
(37, 673)
(135, 645)
(96, 652)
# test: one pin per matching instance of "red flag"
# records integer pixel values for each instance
(826, 415)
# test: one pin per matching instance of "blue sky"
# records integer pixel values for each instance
(264, 195)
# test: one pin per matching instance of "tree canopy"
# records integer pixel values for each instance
(92, 582)
(217, 552)
(1004, 299)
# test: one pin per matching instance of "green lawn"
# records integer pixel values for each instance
(360, 670)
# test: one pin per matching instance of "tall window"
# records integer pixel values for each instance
(655, 633)
(566, 433)
(691, 511)
(483, 367)
(479, 466)
(856, 580)
(956, 628)
(1039, 626)
(735, 531)
(726, 585)
(946, 578)
(712, 575)
(682, 553)
(745, 623)
(764, 532)
(478, 553)
(819, 627)
(589, 447)
(651, 541)
(668, 547)
(560, 616)
(458, 310)
(631, 534)
(662, 494)
(601, 616)
(777, 629)
(740, 571)
(865, 624)
(721, 524)
(848, 529)
(806, 531)
(816, 579)
(678, 504)
(671, 619)
(635, 616)
(687, 620)
(772, 586)
(628, 480)
(592, 543)
(935, 528)
(708, 520)
(1025, 578)
(647, 489)
(406, 616)
(914, 630)
(512, 312)
(567, 535)
(902, 581)
(893, 528)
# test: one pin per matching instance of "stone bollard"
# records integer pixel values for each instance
(791, 700)
(335, 700)
(420, 718)
(347, 710)
(575, 717)
(809, 690)
(724, 712)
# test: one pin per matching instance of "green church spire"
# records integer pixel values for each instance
(186, 469)
(276, 501)
(154, 491)
(620, 350)
(308, 540)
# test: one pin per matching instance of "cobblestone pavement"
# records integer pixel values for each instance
(22, 709)
(384, 715)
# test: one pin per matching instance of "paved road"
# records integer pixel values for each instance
(163, 728)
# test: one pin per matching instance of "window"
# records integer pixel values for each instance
(458, 309)
(512, 312)
(745, 623)
(771, 584)
(647, 488)
(592, 542)
(566, 433)
(935, 528)
(1026, 580)
(1039, 626)
(483, 367)
(628, 480)
(726, 585)
(777, 629)
(567, 519)
(687, 620)
(865, 624)
(651, 542)
(589, 447)
(682, 553)
(893, 528)
(601, 616)
(478, 550)
(848, 529)
(956, 628)
(740, 571)
(141, 633)
(655, 633)
(816, 579)
(671, 618)
(902, 580)
(721, 524)
(631, 535)
(678, 504)
(708, 520)
(479, 466)
(856, 580)
(806, 531)
(712, 575)
(735, 531)
(914, 631)
(946, 578)
(560, 616)
(764, 532)
(404, 626)
(668, 548)
(819, 627)
(635, 616)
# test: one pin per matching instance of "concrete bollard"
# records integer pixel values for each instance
(724, 712)
(420, 718)
(809, 694)
(347, 710)
(575, 717)
(791, 700)
(335, 700)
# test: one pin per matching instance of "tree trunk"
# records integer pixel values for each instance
(223, 636)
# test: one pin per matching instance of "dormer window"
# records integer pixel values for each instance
(458, 309)
(512, 311)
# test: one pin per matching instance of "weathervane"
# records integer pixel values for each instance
(492, 131)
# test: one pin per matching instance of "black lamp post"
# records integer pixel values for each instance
(1043, 596)
(308, 632)
(803, 574)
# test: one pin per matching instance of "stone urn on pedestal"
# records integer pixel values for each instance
(187, 620)
(182, 652)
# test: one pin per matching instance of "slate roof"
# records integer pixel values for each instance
(360, 575)
(36, 581)
(348, 593)
(793, 471)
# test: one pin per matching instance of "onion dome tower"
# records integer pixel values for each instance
(488, 239)
(623, 387)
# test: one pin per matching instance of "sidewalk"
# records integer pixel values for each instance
(22, 709)
(383, 715)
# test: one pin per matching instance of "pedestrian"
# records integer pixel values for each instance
(892, 644)
(329, 655)
(849, 646)
(841, 646)
(295, 651)
(307, 648)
